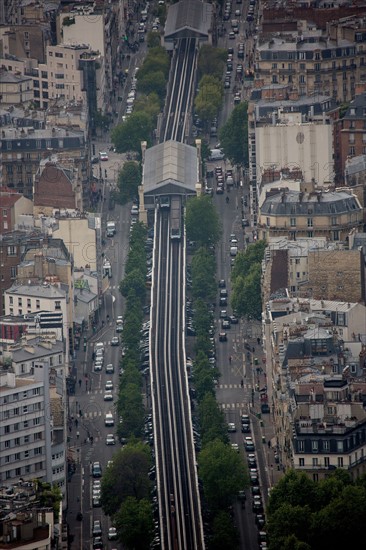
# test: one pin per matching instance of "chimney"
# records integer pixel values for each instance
(301, 196)
(38, 265)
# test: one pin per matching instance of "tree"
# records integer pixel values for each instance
(211, 61)
(153, 39)
(295, 488)
(203, 376)
(288, 520)
(222, 471)
(131, 409)
(126, 477)
(212, 420)
(49, 496)
(153, 82)
(209, 98)
(134, 523)
(246, 294)
(134, 280)
(129, 179)
(202, 221)
(149, 104)
(128, 135)
(234, 135)
(224, 535)
(203, 275)
(244, 260)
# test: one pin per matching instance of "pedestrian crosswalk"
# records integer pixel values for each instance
(239, 405)
(233, 386)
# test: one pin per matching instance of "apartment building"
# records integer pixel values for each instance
(96, 26)
(56, 186)
(15, 89)
(12, 207)
(21, 299)
(22, 149)
(351, 134)
(26, 527)
(318, 383)
(290, 143)
(315, 62)
(274, 105)
(12, 246)
(328, 214)
(32, 411)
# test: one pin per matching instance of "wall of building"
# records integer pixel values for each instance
(336, 275)
(307, 147)
(80, 240)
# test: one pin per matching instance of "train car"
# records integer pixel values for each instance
(165, 202)
(175, 218)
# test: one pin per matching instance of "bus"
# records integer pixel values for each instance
(175, 218)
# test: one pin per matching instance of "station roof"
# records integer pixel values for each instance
(188, 18)
(169, 168)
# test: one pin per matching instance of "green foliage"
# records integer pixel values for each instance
(202, 221)
(203, 275)
(134, 281)
(209, 98)
(234, 135)
(246, 278)
(222, 471)
(153, 39)
(127, 476)
(211, 61)
(304, 514)
(128, 135)
(149, 104)
(204, 376)
(129, 179)
(153, 82)
(224, 535)
(134, 523)
(49, 496)
(101, 121)
(212, 420)
(131, 409)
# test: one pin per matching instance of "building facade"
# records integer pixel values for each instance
(320, 214)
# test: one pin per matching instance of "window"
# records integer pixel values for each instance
(29, 302)
(274, 65)
(310, 234)
(57, 304)
(17, 456)
(340, 446)
(351, 151)
(12, 250)
(301, 462)
(17, 441)
(26, 439)
(274, 79)
(315, 462)
(38, 304)
(7, 444)
(7, 430)
(25, 409)
(351, 138)
(325, 445)
(310, 222)
(301, 446)
(293, 222)
(11, 300)
(16, 427)
(340, 462)
(26, 454)
(36, 422)
(314, 446)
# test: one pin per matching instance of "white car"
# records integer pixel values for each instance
(231, 427)
(110, 440)
(108, 395)
(134, 210)
(112, 533)
(115, 341)
(235, 447)
(103, 155)
(109, 385)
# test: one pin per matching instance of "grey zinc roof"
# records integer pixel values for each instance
(38, 351)
(43, 291)
(170, 162)
(329, 203)
(188, 14)
(357, 106)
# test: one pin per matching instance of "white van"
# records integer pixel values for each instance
(111, 229)
(216, 154)
(233, 251)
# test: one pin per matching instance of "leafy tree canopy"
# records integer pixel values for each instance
(246, 295)
(209, 98)
(222, 471)
(131, 409)
(153, 82)
(202, 221)
(211, 61)
(212, 420)
(304, 514)
(203, 276)
(128, 135)
(244, 260)
(126, 477)
(129, 179)
(134, 523)
(153, 39)
(234, 135)
(224, 535)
